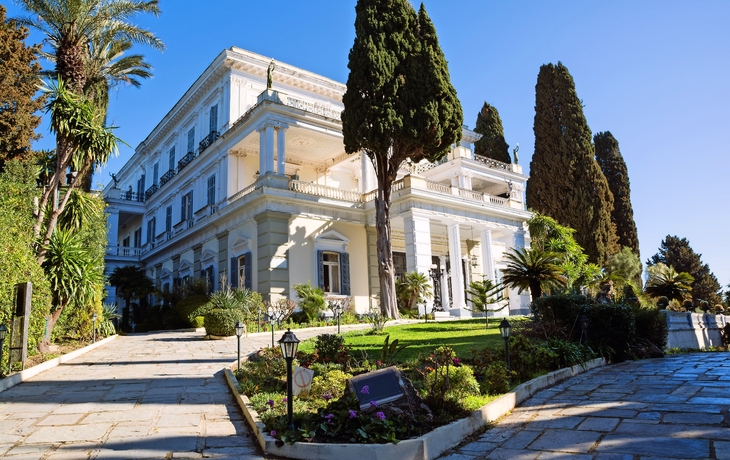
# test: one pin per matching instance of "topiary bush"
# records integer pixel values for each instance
(651, 325)
(331, 348)
(460, 383)
(222, 322)
(612, 327)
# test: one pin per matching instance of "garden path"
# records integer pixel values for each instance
(677, 407)
(156, 395)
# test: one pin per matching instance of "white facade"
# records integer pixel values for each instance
(254, 184)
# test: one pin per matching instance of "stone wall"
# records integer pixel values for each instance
(694, 330)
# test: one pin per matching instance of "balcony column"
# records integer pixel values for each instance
(112, 222)
(269, 150)
(418, 246)
(367, 173)
(281, 149)
(262, 150)
(519, 239)
(458, 306)
(487, 258)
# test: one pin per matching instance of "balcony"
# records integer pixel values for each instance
(151, 191)
(116, 194)
(208, 141)
(123, 251)
(184, 161)
(166, 177)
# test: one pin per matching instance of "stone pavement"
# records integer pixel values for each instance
(677, 407)
(157, 395)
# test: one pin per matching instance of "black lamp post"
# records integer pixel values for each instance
(337, 310)
(258, 319)
(583, 328)
(504, 330)
(239, 332)
(93, 320)
(272, 321)
(289, 344)
(3, 333)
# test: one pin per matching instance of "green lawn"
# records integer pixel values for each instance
(422, 338)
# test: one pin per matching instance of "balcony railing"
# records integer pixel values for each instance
(208, 141)
(184, 161)
(324, 191)
(124, 251)
(493, 163)
(166, 177)
(151, 191)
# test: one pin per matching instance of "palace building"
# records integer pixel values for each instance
(251, 185)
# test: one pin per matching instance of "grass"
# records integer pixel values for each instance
(423, 338)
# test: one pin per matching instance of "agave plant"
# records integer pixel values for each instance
(105, 327)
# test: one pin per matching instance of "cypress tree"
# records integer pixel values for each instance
(18, 87)
(566, 182)
(614, 168)
(399, 104)
(677, 253)
(492, 144)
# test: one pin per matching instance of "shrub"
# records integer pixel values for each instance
(651, 325)
(331, 348)
(569, 354)
(529, 357)
(496, 379)
(459, 384)
(614, 326)
(687, 305)
(330, 385)
(311, 300)
(198, 321)
(221, 322)
(188, 298)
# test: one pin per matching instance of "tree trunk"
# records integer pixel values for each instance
(535, 290)
(45, 344)
(386, 269)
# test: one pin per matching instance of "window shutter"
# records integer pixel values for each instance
(176, 282)
(345, 272)
(234, 272)
(202, 274)
(320, 269)
(247, 270)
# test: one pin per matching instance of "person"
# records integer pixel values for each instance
(270, 75)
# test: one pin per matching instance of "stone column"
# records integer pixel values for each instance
(222, 258)
(458, 306)
(269, 168)
(487, 258)
(368, 181)
(418, 246)
(112, 228)
(272, 265)
(281, 150)
(262, 150)
(197, 249)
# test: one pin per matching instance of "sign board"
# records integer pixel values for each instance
(19, 326)
(302, 381)
(384, 385)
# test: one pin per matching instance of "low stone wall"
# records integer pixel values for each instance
(694, 330)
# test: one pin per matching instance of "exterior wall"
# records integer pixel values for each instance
(694, 330)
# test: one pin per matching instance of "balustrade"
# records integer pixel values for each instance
(208, 141)
(166, 177)
(184, 161)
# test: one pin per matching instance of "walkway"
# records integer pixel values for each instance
(677, 407)
(158, 395)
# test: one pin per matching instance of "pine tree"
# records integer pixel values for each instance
(566, 182)
(614, 168)
(492, 144)
(678, 254)
(399, 104)
(18, 86)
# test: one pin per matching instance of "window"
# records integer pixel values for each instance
(331, 280)
(140, 188)
(151, 230)
(171, 159)
(125, 242)
(214, 118)
(156, 173)
(168, 219)
(241, 271)
(208, 277)
(186, 212)
(211, 190)
(399, 264)
(138, 238)
(191, 140)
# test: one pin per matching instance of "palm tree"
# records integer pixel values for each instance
(533, 269)
(132, 283)
(69, 26)
(665, 281)
(413, 289)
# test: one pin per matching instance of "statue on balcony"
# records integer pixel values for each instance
(270, 75)
(514, 153)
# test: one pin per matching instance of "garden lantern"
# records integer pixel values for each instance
(273, 322)
(3, 333)
(93, 320)
(583, 328)
(504, 329)
(239, 332)
(337, 310)
(289, 344)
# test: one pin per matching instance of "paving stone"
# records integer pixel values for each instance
(566, 441)
(653, 416)
(556, 422)
(512, 454)
(655, 446)
(521, 439)
(30, 451)
(68, 419)
(598, 424)
(722, 449)
(479, 447)
(693, 419)
(68, 433)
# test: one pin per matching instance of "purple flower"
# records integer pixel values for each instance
(456, 361)
(329, 418)
(272, 433)
(380, 415)
(353, 414)
(373, 404)
(270, 402)
(284, 400)
(365, 390)
(327, 397)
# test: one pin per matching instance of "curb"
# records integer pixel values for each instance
(427, 447)
(22, 376)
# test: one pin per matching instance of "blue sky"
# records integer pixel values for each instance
(654, 73)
